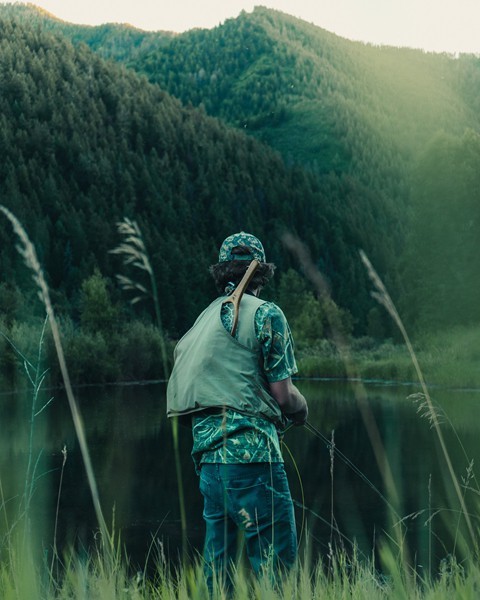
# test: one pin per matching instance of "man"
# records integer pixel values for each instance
(232, 379)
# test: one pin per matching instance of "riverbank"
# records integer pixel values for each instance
(133, 352)
(448, 359)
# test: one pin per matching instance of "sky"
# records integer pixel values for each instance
(433, 25)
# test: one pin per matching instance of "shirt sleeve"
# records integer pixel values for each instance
(275, 337)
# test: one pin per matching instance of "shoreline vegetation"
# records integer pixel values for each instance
(133, 353)
(448, 359)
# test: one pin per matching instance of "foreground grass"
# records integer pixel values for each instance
(449, 358)
(97, 578)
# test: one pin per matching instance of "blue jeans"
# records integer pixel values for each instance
(254, 499)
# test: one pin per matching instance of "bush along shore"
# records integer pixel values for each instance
(133, 350)
(448, 359)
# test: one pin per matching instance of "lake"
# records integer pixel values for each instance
(341, 496)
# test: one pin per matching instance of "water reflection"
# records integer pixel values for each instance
(132, 452)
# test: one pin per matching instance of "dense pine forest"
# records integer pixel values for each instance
(265, 123)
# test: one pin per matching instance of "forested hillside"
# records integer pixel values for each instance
(401, 125)
(120, 42)
(84, 143)
(317, 97)
(361, 130)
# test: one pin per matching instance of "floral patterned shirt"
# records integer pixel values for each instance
(232, 437)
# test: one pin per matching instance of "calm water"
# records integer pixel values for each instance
(132, 452)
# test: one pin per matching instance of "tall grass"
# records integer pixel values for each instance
(97, 578)
(397, 532)
(35, 375)
(27, 250)
(134, 253)
(18, 529)
(383, 297)
(395, 553)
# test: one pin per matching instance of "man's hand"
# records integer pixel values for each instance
(300, 417)
(292, 403)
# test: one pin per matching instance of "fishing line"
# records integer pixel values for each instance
(299, 477)
(305, 508)
(302, 505)
(335, 528)
(316, 432)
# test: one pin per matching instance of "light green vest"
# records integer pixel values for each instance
(214, 369)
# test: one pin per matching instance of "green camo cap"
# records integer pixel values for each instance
(241, 240)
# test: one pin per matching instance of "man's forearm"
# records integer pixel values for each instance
(296, 401)
(290, 399)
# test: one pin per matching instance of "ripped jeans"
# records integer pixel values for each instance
(254, 499)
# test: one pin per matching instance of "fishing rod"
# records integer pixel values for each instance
(331, 446)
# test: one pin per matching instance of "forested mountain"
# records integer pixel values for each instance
(402, 125)
(120, 42)
(360, 129)
(84, 143)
